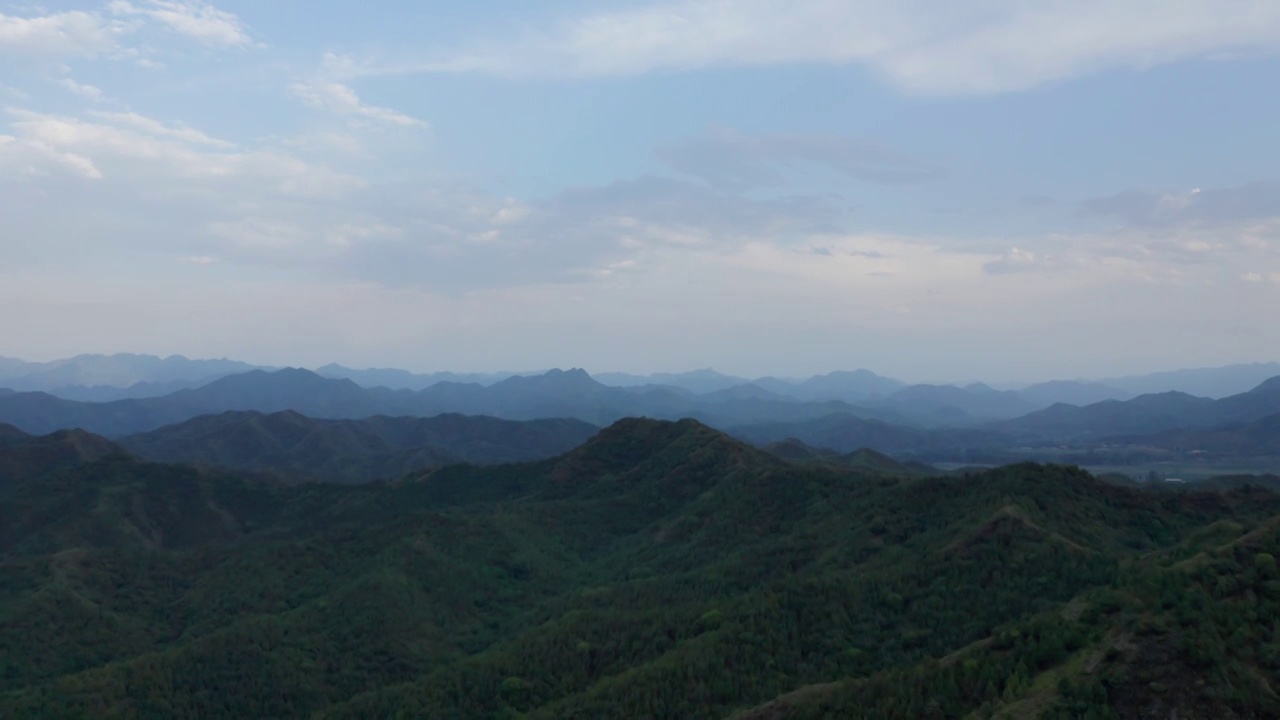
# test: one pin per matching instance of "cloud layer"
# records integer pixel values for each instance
(171, 180)
(922, 46)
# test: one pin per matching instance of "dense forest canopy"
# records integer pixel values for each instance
(661, 570)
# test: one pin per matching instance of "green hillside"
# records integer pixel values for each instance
(662, 570)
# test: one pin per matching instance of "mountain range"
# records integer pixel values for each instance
(558, 393)
(294, 447)
(929, 423)
(102, 378)
(1147, 414)
(659, 570)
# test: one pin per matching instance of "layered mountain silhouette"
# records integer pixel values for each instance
(1073, 392)
(1216, 382)
(405, 380)
(111, 377)
(290, 445)
(933, 423)
(1147, 414)
(934, 405)
(558, 393)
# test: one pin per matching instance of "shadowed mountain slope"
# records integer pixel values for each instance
(294, 446)
(844, 433)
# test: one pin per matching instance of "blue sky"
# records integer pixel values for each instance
(933, 190)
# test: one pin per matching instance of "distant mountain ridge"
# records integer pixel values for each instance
(556, 394)
(106, 378)
(1147, 415)
(1215, 382)
(293, 446)
(84, 373)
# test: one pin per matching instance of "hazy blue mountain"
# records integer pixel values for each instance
(297, 447)
(942, 405)
(1216, 382)
(13, 367)
(699, 381)
(558, 393)
(671, 390)
(1259, 402)
(109, 393)
(1233, 440)
(782, 386)
(405, 380)
(747, 391)
(1147, 415)
(1072, 392)
(120, 370)
(851, 386)
(259, 390)
(1143, 415)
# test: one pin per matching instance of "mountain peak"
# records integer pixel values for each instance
(631, 442)
(571, 373)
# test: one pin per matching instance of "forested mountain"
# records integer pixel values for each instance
(866, 460)
(661, 570)
(846, 433)
(293, 446)
(11, 433)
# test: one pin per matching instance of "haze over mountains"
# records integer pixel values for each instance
(109, 377)
(843, 411)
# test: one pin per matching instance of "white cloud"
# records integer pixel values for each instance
(74, 33)
(200, 260)
(342, 100)
(86, 91)
(34, 157)
(1252, 277)
(145, 147)
(923, 46)
(192, 18)
(156, 128)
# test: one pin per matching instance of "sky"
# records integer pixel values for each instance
(933, 190)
